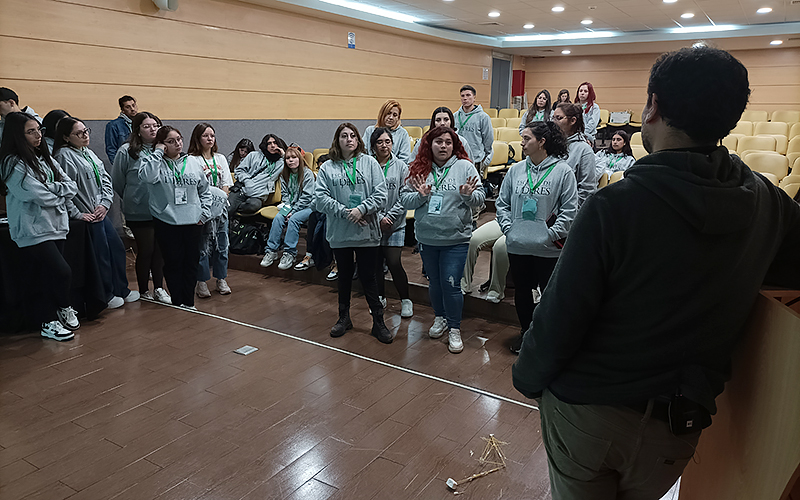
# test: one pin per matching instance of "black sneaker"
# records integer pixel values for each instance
(516, 344)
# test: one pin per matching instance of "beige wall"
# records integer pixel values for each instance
(218, 59)
(620, 81)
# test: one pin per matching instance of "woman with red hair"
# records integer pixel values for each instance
(389, 117)
(591, 111)
(442, 188)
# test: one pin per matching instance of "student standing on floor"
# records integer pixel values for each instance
(472, 122)
(256, 176)
(136, 207)
(36, 192)
(350, 191)
(214, 242)
(591, 111)
(119, 129)
(180, 202)
(91, 204)
(569, 118)
(537, 204)
(392, 219)
(633, 339)
(442, 117)
(538, 112)
(9, 103)
(297, 196)
(389, 117)
(442, 188)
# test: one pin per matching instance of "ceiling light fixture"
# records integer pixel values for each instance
(670, 1)
(687, 15)
(586, 22)
(776, 42)
(764, 10)
(558, 8)
(705, 29)
(561, 36)
(494, 13)
(566, 52)
(369, 9)
(528, 26)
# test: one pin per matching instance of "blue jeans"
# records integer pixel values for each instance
(111, 258)
(292, 231)
(445, 266)
(214, 250)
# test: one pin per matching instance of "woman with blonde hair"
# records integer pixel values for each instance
(389, 117)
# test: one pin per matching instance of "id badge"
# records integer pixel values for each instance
(435, 204)
(354, 201)
(529, 209)
(181, 196)
(285, 209)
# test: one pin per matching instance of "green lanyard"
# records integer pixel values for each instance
(175, 170)
(213, 169)
(538, 116)
(530, 180)
(352, 177)
(386, 168)
(51, 176)
(293, 183)
(270, 166)
(462, 123)
(94, 166)
(436, 181)
(613, 162)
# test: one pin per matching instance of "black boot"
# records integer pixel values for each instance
(379, 329)
(344, 322)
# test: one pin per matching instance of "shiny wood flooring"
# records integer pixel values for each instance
(151, 402)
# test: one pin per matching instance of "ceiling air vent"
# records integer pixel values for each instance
(491, 23)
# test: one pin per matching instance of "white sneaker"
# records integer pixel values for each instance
(56, 331)
(406, 308)
(287, 261)
(184, 306)
(116, 302)
(383, 301)
(201, 290)
(438, 328)
(132, 296)
(455, 344)
(268, 259)
(494, 297)
(333, 275)
(68, 318)
(537, 296)
(162, 296)
(148, 295)
(223, 288)
(304, 264)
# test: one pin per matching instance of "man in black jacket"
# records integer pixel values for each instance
(633, 338)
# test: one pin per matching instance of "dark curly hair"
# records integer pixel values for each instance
(701, 91)
(555, 142)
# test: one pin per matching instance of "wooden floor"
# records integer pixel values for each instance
(151, 401)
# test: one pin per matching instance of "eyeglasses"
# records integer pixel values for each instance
(35, 131)
(83, 133)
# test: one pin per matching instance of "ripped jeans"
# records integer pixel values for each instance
(445, 266)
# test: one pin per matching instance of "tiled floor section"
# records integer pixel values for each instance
(151, 402)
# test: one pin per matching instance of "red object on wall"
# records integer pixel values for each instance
(518, 82)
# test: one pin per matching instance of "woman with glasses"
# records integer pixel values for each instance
(180, 203)
(91, 204)
(389, 117)
(37, 192)
(569, 118)
(135, 204)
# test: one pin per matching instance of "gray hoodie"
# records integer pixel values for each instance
(125, 179)
(304, 197)
(37, 211)
(332, 197)
(94, 182)
(165, 180)
(476, 126)
(395, 175)
(590, 121)
(460, 138)
(258, 174)
(581, 160)
(453, 225)
(557, 194)
(401, 141)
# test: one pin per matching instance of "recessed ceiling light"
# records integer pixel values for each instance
(566, 52)
(494, 13)
(528, 26)
(776, 42)
(587, 21)
(370, 9)
(448, 0)
(687, 15)
(764, 10)
(558, 8)
(670, 1)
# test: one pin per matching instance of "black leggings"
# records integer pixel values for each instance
(392, 256)
(148, 255)
(365, 259)
(529, 272)
(181, 247)
(53, 277)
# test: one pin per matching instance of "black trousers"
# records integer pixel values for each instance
(366, 259)
(399, 276)
(53, 276)
(180, 246)
(148, 255)
(529, 272)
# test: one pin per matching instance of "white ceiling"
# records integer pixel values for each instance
(632, 26)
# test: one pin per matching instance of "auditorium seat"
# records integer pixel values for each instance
(508, 113)
(771, 163)
(498, 122)
(507, 134)
(753, 115)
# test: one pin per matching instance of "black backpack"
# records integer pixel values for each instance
(246, 239)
